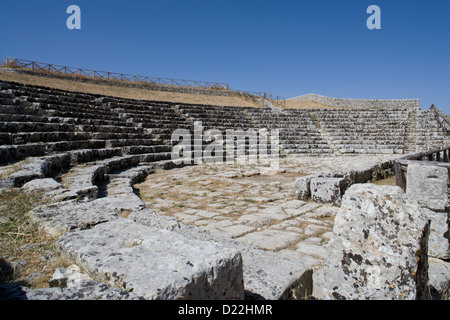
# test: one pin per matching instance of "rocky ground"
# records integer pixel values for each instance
(252, 205)
(248, 208)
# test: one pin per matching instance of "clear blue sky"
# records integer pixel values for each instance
(288, 48)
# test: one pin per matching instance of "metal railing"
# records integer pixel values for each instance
(142, 81)
(105, 75)
(444, 123)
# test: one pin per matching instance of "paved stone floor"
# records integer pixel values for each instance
(251, 204)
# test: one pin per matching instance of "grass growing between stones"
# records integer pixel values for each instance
(27, 255)
(6, 171)
(386, 182)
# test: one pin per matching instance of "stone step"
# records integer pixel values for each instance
(112, 143)
(80, 115)
(40, 167)
(9, 117)
(10, 153)
(13, 153)
(78, 112)
(151, 121)
(30, 137)
(135, 174)
(118, 135)
(90, 155)
(369, 145)
(138, 149)
(153, 157)
(110, 129)
(347, 150)
(11, 109)
(19, 127)
(15, 118)
(83, 181)
(156, 269)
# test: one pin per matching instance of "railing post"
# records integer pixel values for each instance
(399, 176)
(39, 66)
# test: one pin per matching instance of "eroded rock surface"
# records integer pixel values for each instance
(379, 246)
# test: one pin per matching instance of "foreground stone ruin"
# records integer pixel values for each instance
(379, 247)
(224, 231)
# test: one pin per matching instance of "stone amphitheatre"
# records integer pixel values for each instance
(356, 207)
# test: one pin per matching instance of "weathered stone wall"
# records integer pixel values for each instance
(360, 103)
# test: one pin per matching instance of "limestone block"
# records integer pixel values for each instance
(327, 190)
(379, 247)
(439, 273)
(255, 220)
(58, 218)
(29, 171)
(237, 230)
(361, 175)
(41, 185)
(302, 187)
(270, 239)
(275, 276)
(428, 185)
(67, 276)
(438, 243)
(313, 230)
(133, 257)
(76, 289)
(311, 249)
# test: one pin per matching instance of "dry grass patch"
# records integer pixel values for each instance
(28, 255)
(386, 182)
(124, 92)
(7, 170)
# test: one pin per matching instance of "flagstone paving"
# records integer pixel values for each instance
(248, 203)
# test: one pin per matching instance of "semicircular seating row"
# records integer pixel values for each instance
(98, 146)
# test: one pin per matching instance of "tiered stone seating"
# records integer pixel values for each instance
(218, 117)
(222, 118)
(155, 117)
(365, 130)
(298, 133)
(36, 121)
(97, 147)
(429, 134)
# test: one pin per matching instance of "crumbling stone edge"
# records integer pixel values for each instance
(329, 187)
